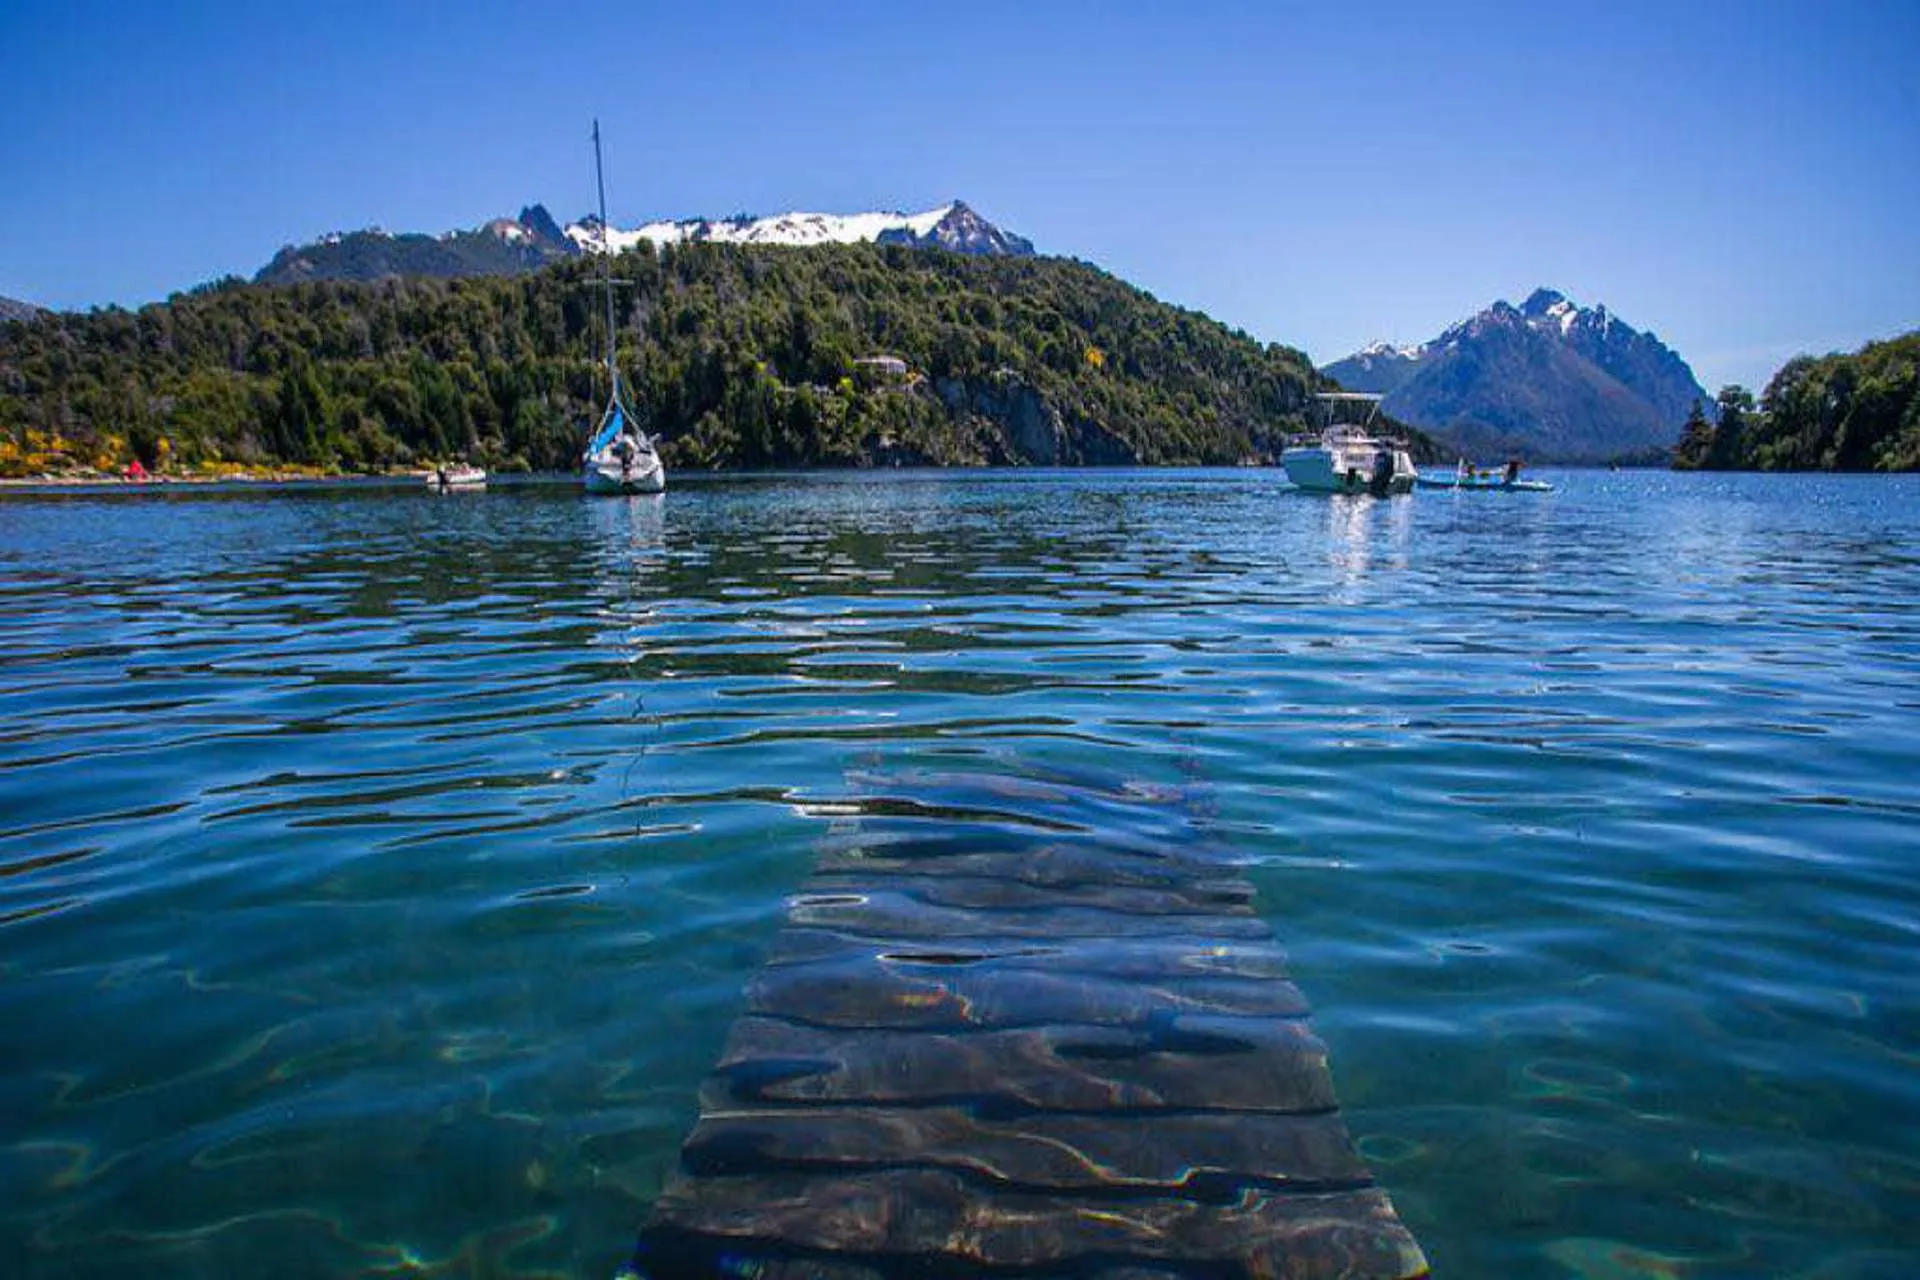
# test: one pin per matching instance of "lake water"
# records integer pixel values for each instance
(380, 871)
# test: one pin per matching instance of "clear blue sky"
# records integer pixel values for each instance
(1742, 178)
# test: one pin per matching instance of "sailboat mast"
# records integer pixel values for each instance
(606, 258)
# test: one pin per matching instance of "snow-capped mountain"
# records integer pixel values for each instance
(509, 246)
(952, 226)
(1380, 368)
(1549, 379)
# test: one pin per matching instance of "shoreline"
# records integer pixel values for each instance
(96, 480)
(287, 478)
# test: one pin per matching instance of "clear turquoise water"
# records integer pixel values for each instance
(379, 872)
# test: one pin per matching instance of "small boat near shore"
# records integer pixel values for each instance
(1346, 457)
(1505, 478)
(461, 475)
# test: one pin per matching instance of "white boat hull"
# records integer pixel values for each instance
(1320, 469)
(607, 475)
(446, 481)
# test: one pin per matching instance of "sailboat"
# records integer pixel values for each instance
(620, 458)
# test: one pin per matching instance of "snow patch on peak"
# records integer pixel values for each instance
(794, 228)
(1549, 308)
(1383, 349)
(1542, 301)
(1561, 315)
(923, 223)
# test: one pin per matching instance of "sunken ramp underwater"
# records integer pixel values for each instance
(1037, 1060)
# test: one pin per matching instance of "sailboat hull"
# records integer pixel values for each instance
(608, 476)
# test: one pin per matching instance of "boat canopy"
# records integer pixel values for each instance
(1330, 402)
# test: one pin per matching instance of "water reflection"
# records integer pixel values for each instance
(624, 537)
(1366, 534)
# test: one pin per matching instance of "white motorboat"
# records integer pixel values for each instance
(620, 458)
(1345, 456)
(459, 475)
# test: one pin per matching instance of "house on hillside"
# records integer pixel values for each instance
(881, 368)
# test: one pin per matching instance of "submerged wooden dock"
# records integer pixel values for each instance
(1024, 1061)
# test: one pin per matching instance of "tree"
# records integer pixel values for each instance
(301, 425)
(1696, 441)
(1729, 437)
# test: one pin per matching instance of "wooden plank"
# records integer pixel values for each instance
(866, 989)
(886, 913)
(1181, 1062)
(1200, 1155)
(941, 1217)
(1166, 956)
(1059, 864)
(1034, 1061)
(973, 891)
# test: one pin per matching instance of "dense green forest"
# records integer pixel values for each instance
(736, 356)
(1858, 412)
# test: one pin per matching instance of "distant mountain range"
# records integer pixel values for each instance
(14, 309)
(511, 246)
(1549, 380)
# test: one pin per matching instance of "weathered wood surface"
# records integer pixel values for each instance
(1037, 1062)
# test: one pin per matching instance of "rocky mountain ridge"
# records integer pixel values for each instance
(14, 309)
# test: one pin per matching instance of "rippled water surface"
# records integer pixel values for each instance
(380, 872)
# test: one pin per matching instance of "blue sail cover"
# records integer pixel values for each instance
(609, 431)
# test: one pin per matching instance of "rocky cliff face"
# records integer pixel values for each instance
(1637, 360)
(1549, 380)
(14, 309)
(1023, 427)
(961, 230)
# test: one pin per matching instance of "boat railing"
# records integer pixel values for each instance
(1344, 435)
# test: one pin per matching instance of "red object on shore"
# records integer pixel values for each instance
(135, 471)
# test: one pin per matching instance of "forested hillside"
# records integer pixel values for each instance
(1858, 412)
(737, 356)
